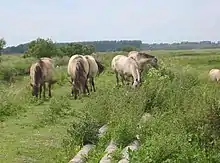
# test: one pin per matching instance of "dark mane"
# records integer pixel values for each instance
(146, 55)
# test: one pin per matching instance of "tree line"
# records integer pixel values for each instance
(99, 46)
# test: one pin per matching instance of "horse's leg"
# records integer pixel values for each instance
(122, 79)
(40, 90)
(75, 92)
(117, 80)
(49, 89)
(44, 91)
(93, 84)
(90, 83)
(72, 90)
(86, 87)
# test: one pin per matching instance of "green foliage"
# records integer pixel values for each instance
(58, 107)
(99, 46)
(128, 49)
(41, 48)
(184, 105)
(73, 48)
(2, 43)
(8, 105)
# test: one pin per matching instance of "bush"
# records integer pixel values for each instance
(9, 106)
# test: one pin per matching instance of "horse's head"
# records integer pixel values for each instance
(34, 89)
(154, 62)
(147, 58)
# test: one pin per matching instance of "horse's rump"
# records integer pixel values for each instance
(95, 67)
(214, 74)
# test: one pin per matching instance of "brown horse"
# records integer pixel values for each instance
(78, 70)
(40, 73)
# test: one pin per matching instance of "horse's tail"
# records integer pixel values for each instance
(101, 67)
(79, 70)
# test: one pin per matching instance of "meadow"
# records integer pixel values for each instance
(184, 104)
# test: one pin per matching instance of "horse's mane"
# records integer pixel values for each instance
(146, 55)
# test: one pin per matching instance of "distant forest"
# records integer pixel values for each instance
(104, 46)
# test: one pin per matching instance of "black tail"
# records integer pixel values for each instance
(100, 66)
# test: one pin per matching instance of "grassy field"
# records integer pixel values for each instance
(184, 103)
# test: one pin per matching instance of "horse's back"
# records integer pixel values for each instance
(133, 54)
(214, 74)
(123, 64)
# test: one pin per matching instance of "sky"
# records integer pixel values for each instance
(151, 21)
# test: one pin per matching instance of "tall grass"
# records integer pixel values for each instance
(184, 104)
(185, 127)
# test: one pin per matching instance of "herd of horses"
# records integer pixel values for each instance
(82, 69)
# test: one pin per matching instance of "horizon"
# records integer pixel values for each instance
(119, 40)
(79, 21)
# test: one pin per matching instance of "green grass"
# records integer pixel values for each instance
(184, 103)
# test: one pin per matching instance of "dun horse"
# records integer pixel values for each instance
(214, 74)
(125, 67)
(143, 59)
(78, 70)
(95, 68)
(40, 73)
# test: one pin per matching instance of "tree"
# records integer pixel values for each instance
(42, 48)
(2, 44)
(76, 48)
(128, 48)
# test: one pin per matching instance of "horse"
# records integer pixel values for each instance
(95, 69)
(143, 58)
(214, 74)
(126, 67)
(78, 70)
(41, 72)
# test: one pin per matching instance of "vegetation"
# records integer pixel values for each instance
(105, 46)
(99, 46)
(183, 102)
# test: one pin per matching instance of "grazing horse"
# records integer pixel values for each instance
(143, 59)
(214, 74)
(40, 73)
(78, 70)
(126, 67)
(95, 68)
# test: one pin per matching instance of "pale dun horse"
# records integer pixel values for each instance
(95, 68)
(125, 67)
(214, 75)
(78, 70)
(143, 59)
(41, 73)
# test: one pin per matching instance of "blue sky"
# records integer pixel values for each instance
(88, 20)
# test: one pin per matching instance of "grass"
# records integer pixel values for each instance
(184, 103)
